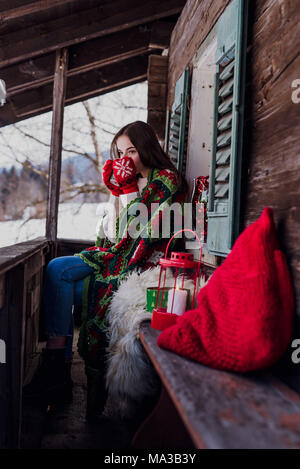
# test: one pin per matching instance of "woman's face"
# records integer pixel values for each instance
(126, 147)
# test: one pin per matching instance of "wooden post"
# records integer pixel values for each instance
(59, 93)
(157, 76)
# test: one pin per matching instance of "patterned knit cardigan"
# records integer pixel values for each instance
(112, 262)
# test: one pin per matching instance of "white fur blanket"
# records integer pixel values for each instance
(130, 376)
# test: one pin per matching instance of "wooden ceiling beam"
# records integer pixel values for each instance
(89, 55)
(161, 34)
(84, 69)
(83, 57)
(27, 14)
(87, 95)
(7, 115)
(9, 11)
(84, 86)
(19, 89)
(81, 26)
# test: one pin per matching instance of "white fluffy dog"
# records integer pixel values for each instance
(130, 376)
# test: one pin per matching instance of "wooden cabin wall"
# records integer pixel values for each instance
(271, 157)
(272, 145)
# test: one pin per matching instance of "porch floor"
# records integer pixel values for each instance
(67, 428)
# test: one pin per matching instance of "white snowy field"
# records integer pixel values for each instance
(75, 221)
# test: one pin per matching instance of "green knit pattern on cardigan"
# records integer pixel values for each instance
(113, 262)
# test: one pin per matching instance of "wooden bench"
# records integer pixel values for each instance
(201, 407)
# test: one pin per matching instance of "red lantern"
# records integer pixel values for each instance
(185, 264)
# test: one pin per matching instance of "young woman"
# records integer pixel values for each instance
(143, 175)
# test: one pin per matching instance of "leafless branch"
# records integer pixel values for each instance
(74, 152)
(93, 135)
(28, 165)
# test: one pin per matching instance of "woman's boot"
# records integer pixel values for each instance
(96, 394)
(52, 384)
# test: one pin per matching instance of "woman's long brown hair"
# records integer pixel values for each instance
(149, 149)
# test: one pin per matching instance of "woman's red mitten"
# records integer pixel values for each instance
(106, 175)
(125, 174)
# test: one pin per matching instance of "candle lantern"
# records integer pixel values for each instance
(185, 268)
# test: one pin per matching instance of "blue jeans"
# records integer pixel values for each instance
(63, 289)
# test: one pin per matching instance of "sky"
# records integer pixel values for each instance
(31, 138)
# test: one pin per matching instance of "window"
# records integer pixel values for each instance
(201, 112)
(24, 164)
(225, 172)
(177, 123)
(89, 127)
(215, 125)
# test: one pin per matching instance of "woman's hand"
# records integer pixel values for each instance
(125, 174)
(106, 175)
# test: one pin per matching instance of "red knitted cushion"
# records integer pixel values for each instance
(244, 315)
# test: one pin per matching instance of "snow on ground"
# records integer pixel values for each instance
(75, 221)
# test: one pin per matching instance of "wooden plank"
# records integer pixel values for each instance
(82, 26)
(157, 96)
(158, 69)
(35, 264)
(32, 111)
(83, 57)
(11, 256)
(161, 33)
(8, 4)
(157, 120)
(59, 93)
(157, 76)
(7, 114)
(30, 73)
(31, 302)
(2, 290)
(87, 85)
(107, 50)
(10, 12)
(87, 56)
(272, 146)
(15, 351)
(223, 409)
(4, 327)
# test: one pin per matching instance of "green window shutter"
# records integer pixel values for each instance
(177, 123)
(225, 173)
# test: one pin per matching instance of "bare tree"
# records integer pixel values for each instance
(89, 127)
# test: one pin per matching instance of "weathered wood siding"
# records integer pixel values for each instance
(272, 131)
(272, 145)
(271, 158)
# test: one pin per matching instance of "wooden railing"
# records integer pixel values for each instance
(22, 269)
(21, 279)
